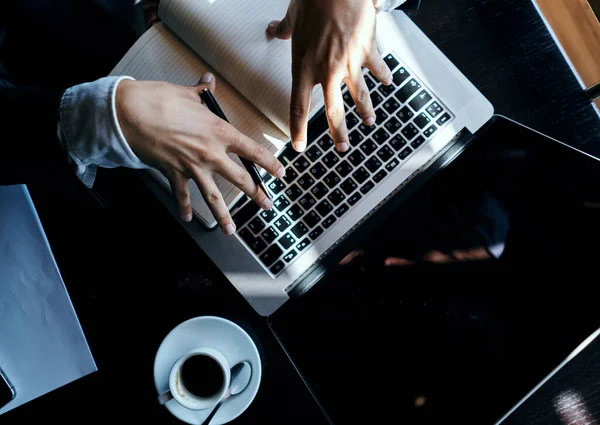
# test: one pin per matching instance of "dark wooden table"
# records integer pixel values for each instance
(134, 274)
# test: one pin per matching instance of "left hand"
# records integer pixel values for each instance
(331, 41)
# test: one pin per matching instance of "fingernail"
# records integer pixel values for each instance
(272, 25)
(280, 172)
(370, 121)
(207, 78)
(229, 229)
(267, 204)
(187, 217)
(300, 145)
(343, 147)
(388, 81)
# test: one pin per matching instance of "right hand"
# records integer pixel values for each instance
(169, 129)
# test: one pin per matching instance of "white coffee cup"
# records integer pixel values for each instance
(182, 395)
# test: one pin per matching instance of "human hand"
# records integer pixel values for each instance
(331, 41)
(169, 129)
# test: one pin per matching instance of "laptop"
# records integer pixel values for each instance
(428, 115)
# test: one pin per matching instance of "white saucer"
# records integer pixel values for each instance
(222, 335)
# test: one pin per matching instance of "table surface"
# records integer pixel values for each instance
(136, 274)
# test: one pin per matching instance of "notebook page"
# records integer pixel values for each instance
(230, 35)
(159, 55)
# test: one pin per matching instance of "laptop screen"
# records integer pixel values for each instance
(465, 298)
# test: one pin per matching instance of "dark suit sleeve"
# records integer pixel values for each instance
(29, 146)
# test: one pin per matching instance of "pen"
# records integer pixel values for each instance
(210, 101)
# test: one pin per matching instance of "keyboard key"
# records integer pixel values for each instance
(329, 221)
(367, 187)
(331, 180)
(368, 147)
(379, 176)
(270, 234)
(351, 120)
(420, 100)
(276, 186)
(317, 126)
(282, 223)
(385, 153)
(246, 235)
(356, 158)
(404, 153)
(301, 164)
(370, 83)
(324, 208)
(299, 229)
(286, 241)
(417, 142)
(277, 267)
(336, 197)
(348, 98)
(302, 244)
(290, 256)
(366, 130)
(317, 231)
(380, 136)
(307, 201)
(405, 114)
(344, 168)
(288, 155)
(269, 215)
(281, 203)
(354, 198)
(400, 76)
(397, 142)
(348, 186)
(391, 105)
(293, 192)
(245, 214)
(290, 175)
(380, 116)
(386, 90)
(330, 160)
(410, 131)
(376, 99)
(256, 225)
(325, 142)
(443, 119)
(390, 61)
(355, 138)
(430, 130)
(319, 190)
(373, 164)
(392, 164)
(306, 181)
(341, 210)
(313, 153)
(312, 219)
(318, 170)
(392, 125)
(434, 109)
(295, 212)
(360, 175)
(422, 120)
(257, 245)
(270, 255)
(407, 90)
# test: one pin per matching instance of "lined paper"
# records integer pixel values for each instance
(230, 35)
(159, 55)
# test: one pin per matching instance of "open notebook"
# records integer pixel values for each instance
(227, 38)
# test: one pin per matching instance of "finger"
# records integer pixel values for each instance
(435, 256)
(213, 198)
(282, 29)
(207, 81)
(378, 67)
(242, 179)
(299, 110)
(397, 262)
(334, 109)
(181, 192)
(360, 93)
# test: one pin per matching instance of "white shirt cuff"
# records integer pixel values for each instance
(89, 130)
(387, 5)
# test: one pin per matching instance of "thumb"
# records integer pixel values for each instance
(207, 81)
(281, 29)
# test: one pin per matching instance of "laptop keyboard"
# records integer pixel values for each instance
(321, 184)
